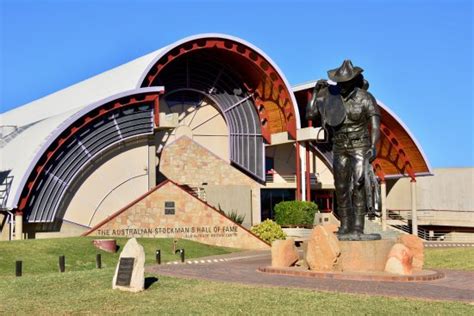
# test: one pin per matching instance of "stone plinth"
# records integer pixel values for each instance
(364, 256)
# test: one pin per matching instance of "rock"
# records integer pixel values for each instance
(331, 227)
(323, 249)
(417, 248)
(132, 250)
(399, 260)
(284, 253)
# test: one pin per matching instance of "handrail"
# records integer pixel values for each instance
(288, 178)
(428, 235)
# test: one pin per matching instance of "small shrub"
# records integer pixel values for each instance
(239, 219)
(295, 213)
(268, 230)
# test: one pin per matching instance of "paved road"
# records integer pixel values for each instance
(242, 268)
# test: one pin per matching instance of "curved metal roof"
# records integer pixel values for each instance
(76, 142)
(37, 122)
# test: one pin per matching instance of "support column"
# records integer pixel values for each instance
(298, 172)
(302, 173)
(307, 174)
(308, 167)
(18, 226)
(414, 216)
(151, 164)
(383, 199)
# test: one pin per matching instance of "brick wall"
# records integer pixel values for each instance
(186, 162)
(192, 219)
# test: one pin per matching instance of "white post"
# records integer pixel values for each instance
(18, 226)
(414, 217)
(383, 198)
(302, 172)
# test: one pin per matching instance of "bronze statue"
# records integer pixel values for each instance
(352, 117)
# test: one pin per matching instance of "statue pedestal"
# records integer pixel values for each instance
(364, 256)
(359, 260)
(373, 260)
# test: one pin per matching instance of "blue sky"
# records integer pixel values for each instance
(417, 54)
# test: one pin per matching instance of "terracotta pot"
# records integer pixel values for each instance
(109, 245)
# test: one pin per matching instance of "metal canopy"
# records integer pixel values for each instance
(198, 75)
(76, 152)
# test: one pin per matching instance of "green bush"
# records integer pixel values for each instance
(268, 230)
(295, 213)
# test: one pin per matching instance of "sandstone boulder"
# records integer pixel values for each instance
(284, 253)
(399, 260)
(416, 246)
(323, 249)
(130, 270)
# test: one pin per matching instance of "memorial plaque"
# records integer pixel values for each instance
(124, 275)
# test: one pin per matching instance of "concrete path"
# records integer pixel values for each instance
(242, 268)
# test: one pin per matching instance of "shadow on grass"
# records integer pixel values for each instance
(149, 281)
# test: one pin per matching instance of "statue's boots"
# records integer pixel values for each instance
(346, 224)
(358, 231)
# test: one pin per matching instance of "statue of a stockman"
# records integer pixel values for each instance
(351, 116)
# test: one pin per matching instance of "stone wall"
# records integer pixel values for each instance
(184, 216)
(186, 162)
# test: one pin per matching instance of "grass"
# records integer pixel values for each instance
(41, 255)
(450, 258)
(82, 289)
(89, 292)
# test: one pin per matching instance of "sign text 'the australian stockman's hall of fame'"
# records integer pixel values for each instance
(184, 232)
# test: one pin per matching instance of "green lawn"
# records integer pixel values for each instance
(90, 292)
(450, 258)
(41, 255)
(86, 290)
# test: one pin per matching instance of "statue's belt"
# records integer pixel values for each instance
(351, 136)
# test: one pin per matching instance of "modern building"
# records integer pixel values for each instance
(212, 113)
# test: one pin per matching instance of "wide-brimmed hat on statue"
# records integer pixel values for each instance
(344, 73)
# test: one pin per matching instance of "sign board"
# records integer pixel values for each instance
(124, 275)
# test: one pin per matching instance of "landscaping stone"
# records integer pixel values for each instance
(284, 253)
(399, 260)
(331, 227)
(323, 249)
(416, 246)
(130, 274)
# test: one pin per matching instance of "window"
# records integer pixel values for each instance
(169, 208)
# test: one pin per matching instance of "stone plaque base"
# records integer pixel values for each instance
(364, 256)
